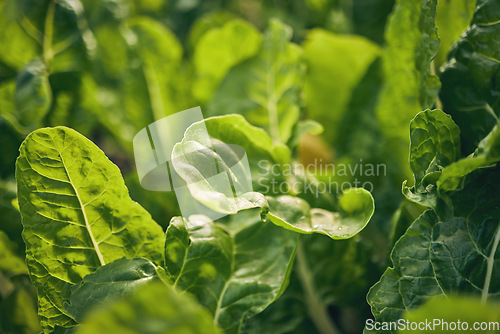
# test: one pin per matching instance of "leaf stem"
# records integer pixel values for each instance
(489, 268)
(154, 91)
(315, 306)
(48, 34)
(272, 106)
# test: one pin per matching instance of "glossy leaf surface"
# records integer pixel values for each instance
(235, 268)
(114, 280)
(356, 209)
(77, 216)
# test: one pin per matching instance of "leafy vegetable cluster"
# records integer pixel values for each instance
(83, 249)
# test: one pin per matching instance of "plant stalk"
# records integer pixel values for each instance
(48, 33)
(489, 268)
(315, 306)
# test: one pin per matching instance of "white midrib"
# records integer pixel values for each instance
(87, 225)
(489, 269)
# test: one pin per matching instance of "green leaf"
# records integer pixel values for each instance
(111, 51)
(16, 38)
(218, 50)
(265, 88)
(207, 22)
(216, 174)
(155, 308)
(67, 40)
(486, 155)
(55, 31)
(235, 268)
(143, 58)
(157, 54)
(408, 86)
(235, 129)
(359, 136)
(77, 216)
(452, 18)
(262, 153)
(445, 256)
(434, 144)
(470, 78)
(116, 279)
(326, 275)
(33, 96)
(453, 309)
(356, 207)
(7, 107)
(335, 65)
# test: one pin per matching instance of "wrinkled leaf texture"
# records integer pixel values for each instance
(77, 216)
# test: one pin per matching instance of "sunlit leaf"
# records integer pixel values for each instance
(408, 87)
(218, 50)
(77, 216)
(335, 65)
(265, 88)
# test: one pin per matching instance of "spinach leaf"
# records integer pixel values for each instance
(486, 155)
(470, 77)
(452, 18)
(216, 174)
(434, 144)
(356, 207)
(409, 86)
(235, 267)
(144, 88)
(265, 88)
(77, 216)
(235, 129)
(326, 95)
(109, 282)
(441, 256)
(218, 50)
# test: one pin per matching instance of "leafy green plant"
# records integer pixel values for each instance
(84, 249)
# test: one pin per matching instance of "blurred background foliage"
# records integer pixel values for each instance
(108, 68)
